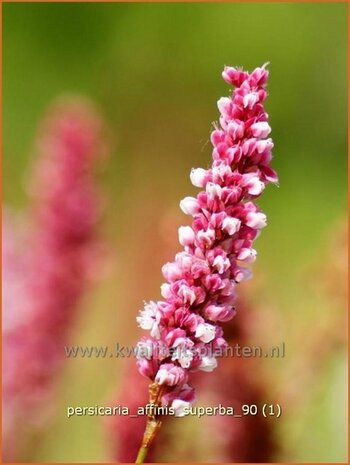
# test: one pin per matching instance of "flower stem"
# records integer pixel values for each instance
(151, 431)
(153, 423)
(141, 456)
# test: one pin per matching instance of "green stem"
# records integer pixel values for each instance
(141, 456)
(153, 423)
(152, 428)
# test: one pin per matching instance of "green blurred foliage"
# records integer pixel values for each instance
(154, 70)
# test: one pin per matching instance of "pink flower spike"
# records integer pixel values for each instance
(200, 291)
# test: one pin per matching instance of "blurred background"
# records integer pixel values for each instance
(154, 73)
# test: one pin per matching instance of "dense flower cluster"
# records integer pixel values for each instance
(47, 265)
(199, 293)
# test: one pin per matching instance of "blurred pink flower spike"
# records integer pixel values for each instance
(62, 253)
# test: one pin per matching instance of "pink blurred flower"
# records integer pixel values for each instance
(50, 275)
